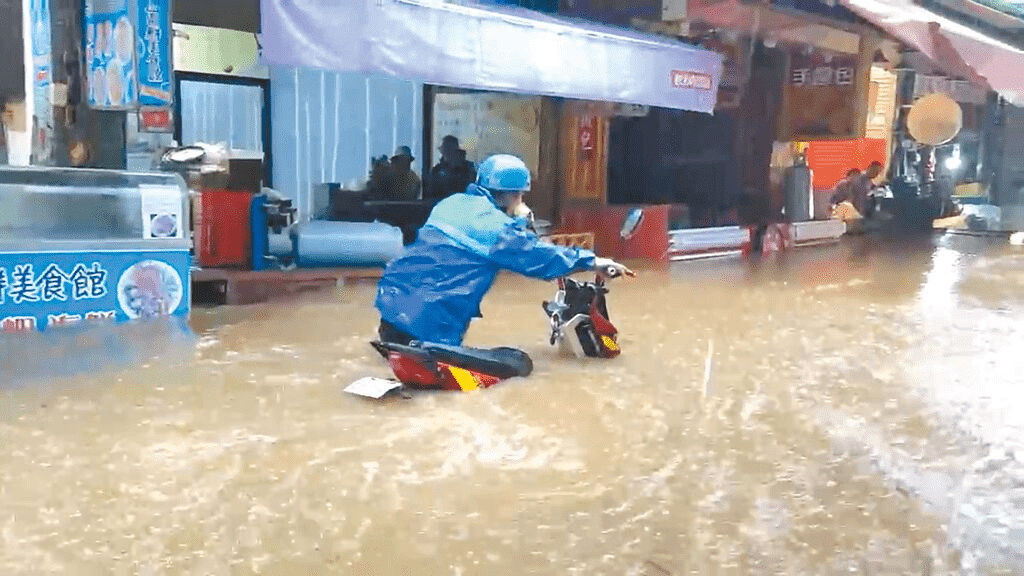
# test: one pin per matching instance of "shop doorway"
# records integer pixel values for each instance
(675, 157)
(228, 110)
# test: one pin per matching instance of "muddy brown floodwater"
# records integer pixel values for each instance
(864, 414)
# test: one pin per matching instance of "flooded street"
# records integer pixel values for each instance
(863, 414)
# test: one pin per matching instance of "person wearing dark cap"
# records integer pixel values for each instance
(453, 173)
(404, 184)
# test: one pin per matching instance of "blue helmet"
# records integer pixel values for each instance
(503, 173)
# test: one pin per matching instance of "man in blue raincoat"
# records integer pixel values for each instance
(433, 290)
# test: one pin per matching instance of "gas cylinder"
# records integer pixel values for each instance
(798, 199)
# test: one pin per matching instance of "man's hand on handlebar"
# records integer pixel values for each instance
(611, 269)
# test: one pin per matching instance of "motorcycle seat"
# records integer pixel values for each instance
(502, 362)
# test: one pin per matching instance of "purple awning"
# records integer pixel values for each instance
(501, 49)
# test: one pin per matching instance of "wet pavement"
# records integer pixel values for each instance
(863, 414)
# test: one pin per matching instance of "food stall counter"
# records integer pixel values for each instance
(81, 246)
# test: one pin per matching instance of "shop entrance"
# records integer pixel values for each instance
(676, 157)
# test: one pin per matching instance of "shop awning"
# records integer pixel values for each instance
(958, 49)
(492, 48)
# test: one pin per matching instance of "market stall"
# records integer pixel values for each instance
(83, 246)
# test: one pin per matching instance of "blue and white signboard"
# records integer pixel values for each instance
(154, 52)
(110, 54)
(42, 290)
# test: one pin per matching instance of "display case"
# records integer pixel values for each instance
(91, 246)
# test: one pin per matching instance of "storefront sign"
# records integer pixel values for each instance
(110, 55)
(156, 120)
(154, 41)
(821, 96)
(48, 289)
(809, 71)
(585, 165)
(959, 90)
(691, 80)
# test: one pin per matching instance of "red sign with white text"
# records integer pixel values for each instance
(694, 80)
(156, 120)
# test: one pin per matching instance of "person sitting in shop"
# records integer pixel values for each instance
(433, 290)
(379, 180)
(861, 187)
(453, 173)
(843, 207)
(403, 183)
(843, 190)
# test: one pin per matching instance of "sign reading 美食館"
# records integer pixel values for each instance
(43, 290)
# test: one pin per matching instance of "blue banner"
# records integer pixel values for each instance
(41, 290)
(154, 41)
(110, 54)
(42, 131)
(41, 48)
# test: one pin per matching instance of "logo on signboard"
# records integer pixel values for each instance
(692, 80)
(149, 289)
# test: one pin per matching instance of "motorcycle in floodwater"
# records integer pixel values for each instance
(579, 322)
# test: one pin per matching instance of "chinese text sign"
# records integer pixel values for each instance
(43, 290)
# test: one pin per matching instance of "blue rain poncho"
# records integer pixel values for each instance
(434, 289)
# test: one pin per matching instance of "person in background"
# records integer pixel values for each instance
(861, 187)
(433, 290)
(403, 183)
(453, 173)
(843, 207)
(377, 185)
(843, 190)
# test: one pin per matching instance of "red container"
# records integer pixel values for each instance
(224, 231)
